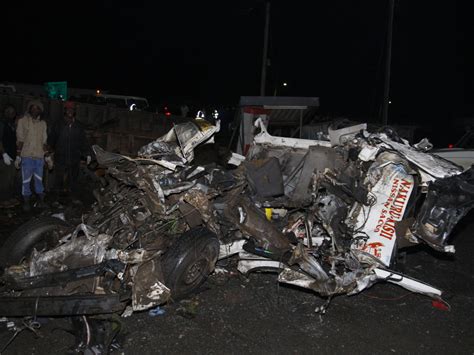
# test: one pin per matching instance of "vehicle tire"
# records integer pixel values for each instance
(42, 232)
(189, 261)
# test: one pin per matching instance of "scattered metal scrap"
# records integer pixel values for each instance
(326, 215)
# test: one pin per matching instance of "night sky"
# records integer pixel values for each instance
(210, 52)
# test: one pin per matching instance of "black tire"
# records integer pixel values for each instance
(34, 232)
(189, 261)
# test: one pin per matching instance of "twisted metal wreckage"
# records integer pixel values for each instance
(326, 215)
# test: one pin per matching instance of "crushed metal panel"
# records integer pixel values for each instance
(343, 135)
(265, 138)
(189, 138)
(236, 159)
(191, 214)
(200, 201)
(431, 163)
(251, 262)
(148, 289)
(265, 177)
(80, 251)
(447, 201)
(254, 223)
(390, 195)
(350, 202)
(408, 283)
(317, 160)
(296, 278)
(178, 144)
(232, 248)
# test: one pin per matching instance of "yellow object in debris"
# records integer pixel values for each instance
(203, 124)
(268, 213)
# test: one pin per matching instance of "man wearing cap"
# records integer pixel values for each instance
(31, 138)
(68, 139)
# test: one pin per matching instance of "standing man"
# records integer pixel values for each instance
(68, 140)
(8, 153)
(31, 138)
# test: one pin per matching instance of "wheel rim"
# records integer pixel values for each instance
(195, 271)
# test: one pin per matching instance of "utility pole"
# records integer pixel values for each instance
(265, 49)
(388, 61)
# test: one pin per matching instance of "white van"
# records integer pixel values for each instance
(131, 102)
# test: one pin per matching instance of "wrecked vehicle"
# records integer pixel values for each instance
(328, 216)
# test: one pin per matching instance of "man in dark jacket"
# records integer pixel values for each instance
(8, 155)
(68, 140)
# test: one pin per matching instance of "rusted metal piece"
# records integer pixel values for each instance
(200, 201)
(252, 222)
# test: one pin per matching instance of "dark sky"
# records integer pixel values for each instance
(210, 51)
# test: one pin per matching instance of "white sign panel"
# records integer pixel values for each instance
(392, 193)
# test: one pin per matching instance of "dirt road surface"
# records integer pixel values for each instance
(234, 314)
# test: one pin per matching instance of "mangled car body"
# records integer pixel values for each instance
(326, 215)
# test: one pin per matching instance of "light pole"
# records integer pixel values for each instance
(263, 78)
(388, 62)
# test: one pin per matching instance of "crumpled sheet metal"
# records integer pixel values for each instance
(251, 262)
(148, 289)
(346, 283)
(265, 138)
(252, 222)
(191, 134)
(178, 144)
(354, 283)
(325, 283)
(341, 136)
(431, 163)
(161, 189)
(200, 201)
(165, 147)
(390, 181)
(307, 263)
(349, 283)
(115, 161)
(378, 220)
(133, 256)
(407, 283)
(86, 251)
(447, 201)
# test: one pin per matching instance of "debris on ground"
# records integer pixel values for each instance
(328, 216)
(157, 311)
(188, 308)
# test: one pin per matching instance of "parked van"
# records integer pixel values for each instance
(132, 103)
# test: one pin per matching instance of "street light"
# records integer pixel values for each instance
(277, 87)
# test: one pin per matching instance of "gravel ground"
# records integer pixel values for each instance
(234, 314)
